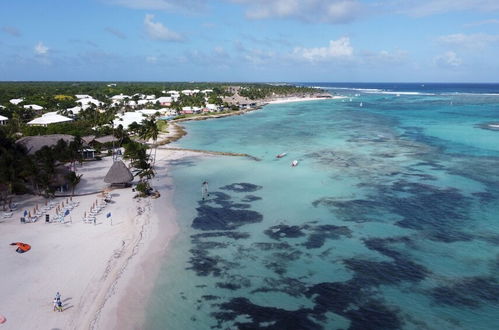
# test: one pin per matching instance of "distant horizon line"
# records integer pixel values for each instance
(245, 82)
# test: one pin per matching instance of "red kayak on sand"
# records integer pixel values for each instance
(21, 247)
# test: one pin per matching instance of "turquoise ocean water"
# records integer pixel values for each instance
(390, 220)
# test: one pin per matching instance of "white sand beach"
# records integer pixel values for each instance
(99, 269)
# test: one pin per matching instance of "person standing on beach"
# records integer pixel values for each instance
(55, 304)
(59, 305)
(204, 190)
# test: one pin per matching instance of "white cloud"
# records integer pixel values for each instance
(337, 49)
(328, 11)
(471, 41)
(157, 31)
(41, 49)
(448, 59)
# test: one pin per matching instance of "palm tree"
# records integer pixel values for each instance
(150, 131)
(73, 180)
(14, 166)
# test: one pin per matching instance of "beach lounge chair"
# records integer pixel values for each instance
(89, 219)
(7, 214)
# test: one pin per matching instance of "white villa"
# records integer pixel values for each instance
(33, 107)
(3, 120)
(74, 110)
(16, 101)
(49, 118)
(165, 100)
(128, 118)
(120, 97)
(88, 101)
(83, 96)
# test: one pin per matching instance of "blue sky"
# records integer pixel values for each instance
(250, 40)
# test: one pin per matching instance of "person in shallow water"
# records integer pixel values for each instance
(204, 190)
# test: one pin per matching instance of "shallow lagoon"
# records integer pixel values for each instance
(389, 221)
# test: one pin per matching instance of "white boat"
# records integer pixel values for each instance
(361, 104)
(281, 155)
(294, 163)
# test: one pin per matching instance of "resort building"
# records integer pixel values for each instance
(16, 101)
(190, 110)
(165, 101)
(120, 97)
(83, 96)
(33, 107)
(3, 120)
(127, 118)
(87, 102)
(37, 142)
(49, 118)
(74, 110)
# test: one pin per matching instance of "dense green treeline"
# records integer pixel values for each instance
(262, 91)
(60, 95)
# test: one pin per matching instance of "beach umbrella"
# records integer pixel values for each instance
(85, 214)
(29, 214)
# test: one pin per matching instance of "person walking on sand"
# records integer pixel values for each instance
(59, 305)
(55, 304)
(204, 190)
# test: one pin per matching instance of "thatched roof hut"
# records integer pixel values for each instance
(118, 174)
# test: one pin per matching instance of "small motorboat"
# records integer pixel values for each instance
(281, 155)
(294, 163)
